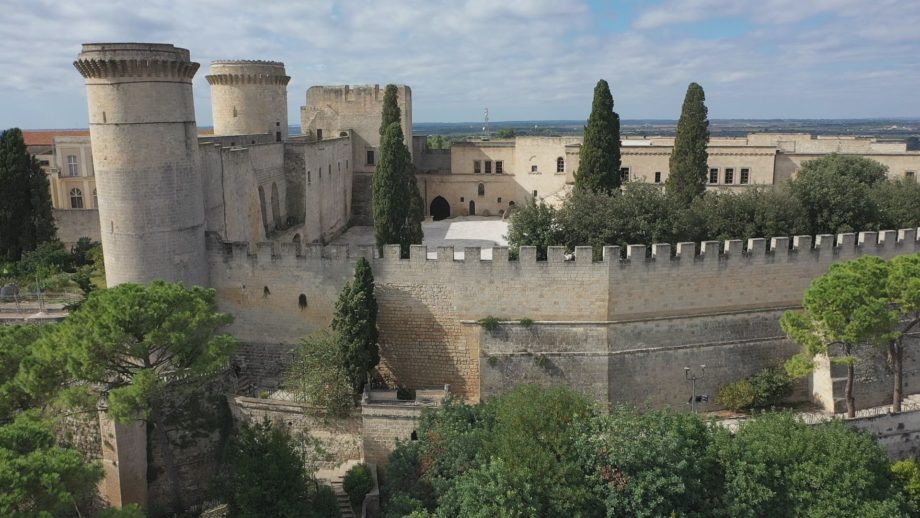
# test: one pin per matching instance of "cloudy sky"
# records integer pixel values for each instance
(523, 59)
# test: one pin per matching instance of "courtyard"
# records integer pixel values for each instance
(459, 232)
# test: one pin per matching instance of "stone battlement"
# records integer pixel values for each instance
(148, 60)
(347, 93)
(846, 245)
(238, 72)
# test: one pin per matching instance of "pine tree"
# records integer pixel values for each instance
(42, 225)
(688, 165)
(15, 192)
(397, 218)
(355, 323)
(599, 163)
(390, 109)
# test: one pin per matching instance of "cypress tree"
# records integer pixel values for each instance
(390, 109)
(397, 218)
(25, 209)
(688, 164)
(355, 322)
(599, 163)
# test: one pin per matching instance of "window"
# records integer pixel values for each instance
(481, 190)
(499, 200)
(319, 134)
(729, 175)
(346, 164)
(910, 175)
(745, 175)
(714, 175)
(657, 176)
(488, 167)
(461, 199)
(338, 166)
(76, 198)
(499, 167)
(533, 168)
(560, 165)
(370, 157)
(534, 193)
(277, 137)
(624, 174)
(308, 177)
(477, 166)
(329, 170)
(73, 168)
(95, 200)
(277, 124)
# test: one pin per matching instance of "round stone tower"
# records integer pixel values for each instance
(249, 97)
(145, 153)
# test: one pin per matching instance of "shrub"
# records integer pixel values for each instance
(489, 323)
(526, 323)
(405, 393)
(358, 482)
(771, 386)
(325, 503)
(541, 361)
(736, 396)
(492, 361)
(906, 474)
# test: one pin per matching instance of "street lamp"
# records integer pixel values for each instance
(692, 378)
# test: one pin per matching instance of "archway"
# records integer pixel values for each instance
(439, 209)
(276, 206)
(472, 208)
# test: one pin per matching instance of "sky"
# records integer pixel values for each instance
(523, 59)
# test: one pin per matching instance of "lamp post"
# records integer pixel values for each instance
(691, 378)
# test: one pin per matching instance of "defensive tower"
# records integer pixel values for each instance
(249, 97)
(145, 150)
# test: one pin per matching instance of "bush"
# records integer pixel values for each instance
(357, 484)
(906, 474)
(489, 323)
(325, 503)
(526, 323)
(736, 396)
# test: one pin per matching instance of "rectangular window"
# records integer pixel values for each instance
(488, 167)
(346, 164)
(714, 175)
(910, 175)
(477, 166)
(533, 169)
(745, 175)
(535, 194)
(277, 136)
(319, 134)
(370, 157)
(657, 176)
(729, 175)
(73, 168)
(499, 167)
(624, 174)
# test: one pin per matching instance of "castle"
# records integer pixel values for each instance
(246, 212)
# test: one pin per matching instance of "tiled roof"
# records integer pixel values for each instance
(46, 137)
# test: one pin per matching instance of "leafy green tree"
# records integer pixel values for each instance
(689, 158)
(25, 215)
(907, 477)
(534, 224)
(903, 290)
(491, 490)
(776, 465)
(357, 483)
(263, 475)
(505, 133)
(355, 322)
(318, 375)
(651, 463)
(898, 203)
(38, 477)
(599, 159)
(395, 193)
(390, 108)
(843, 309)
(835, 191)
(15, 346)
(150, 349)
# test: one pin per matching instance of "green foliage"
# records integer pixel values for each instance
(765, 389)
(541, 361)
(25, 214)
(128, 511)
(736, 396)
(526, 323)
(318, 375)
(534, 224)
(492, 361)
(404, 393)
(906, 475)
(39, 478)
(263, 475)
(492, 490)
(489, 323)
(133, 342)
(689, 158)
(776, 465)
(898, 203)
(390, 108)
(599, 162)
(355, 323)
(653, 463)
(398, 209)
(505, 133)
(836, 193)
(15, 346)
(358, 482)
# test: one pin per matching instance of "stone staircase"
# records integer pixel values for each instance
(334, 478)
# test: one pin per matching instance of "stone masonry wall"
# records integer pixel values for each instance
(644, 316)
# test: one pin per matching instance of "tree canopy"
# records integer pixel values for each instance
(599, 158)
(25, 214)
(398, 209)
(391, 112)
(355, 323)
(689, 158)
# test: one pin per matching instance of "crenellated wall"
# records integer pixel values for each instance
(621, 328)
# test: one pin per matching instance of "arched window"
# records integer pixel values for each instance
(560, 165)
(482, 189)
(76, 198)
(95, 200)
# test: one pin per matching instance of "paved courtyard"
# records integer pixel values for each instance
(457, 232)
